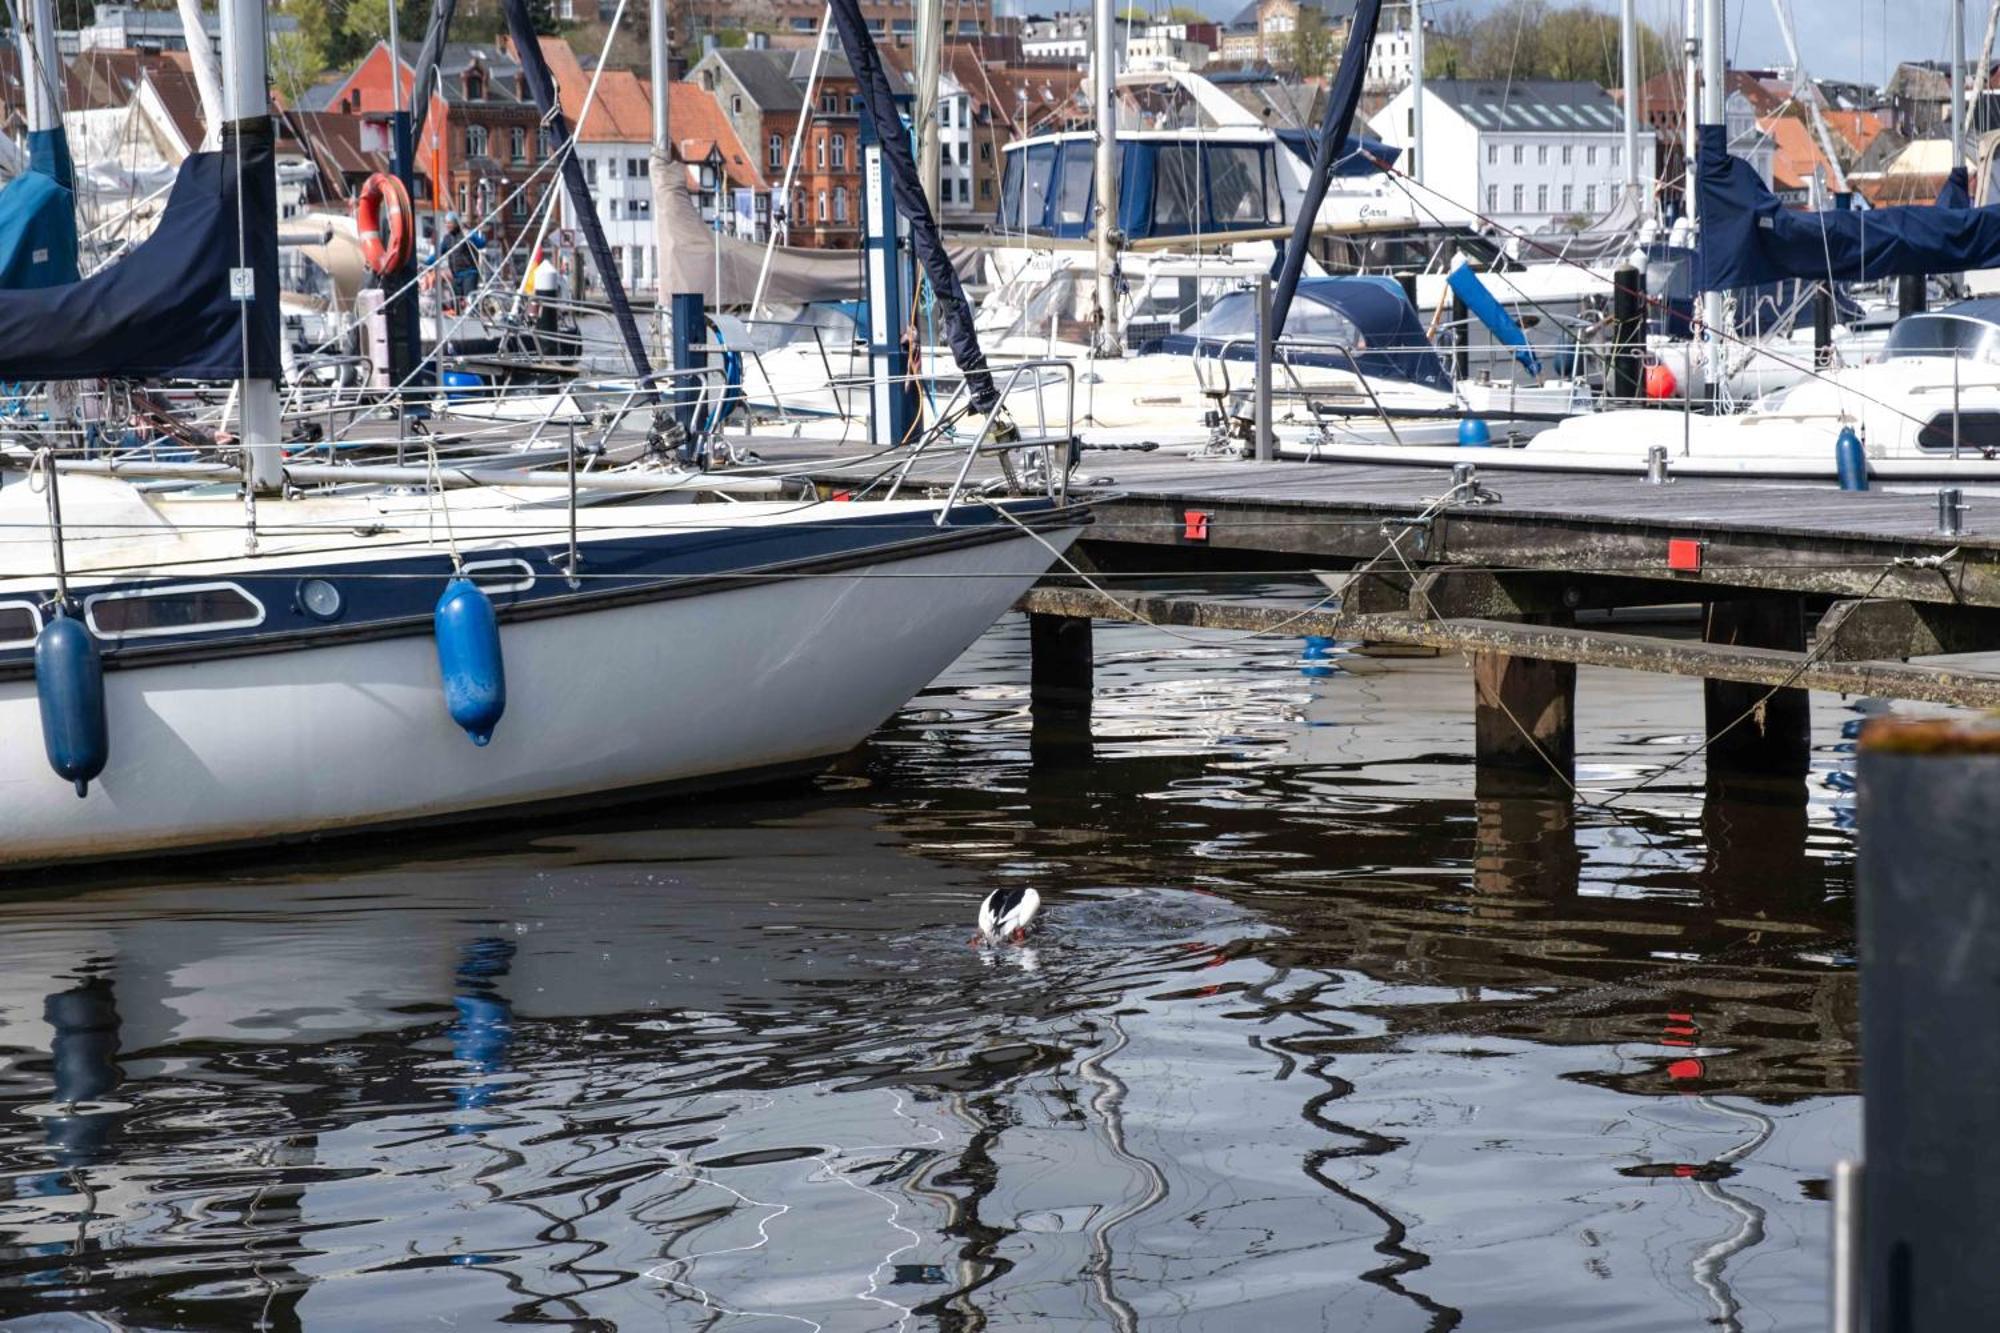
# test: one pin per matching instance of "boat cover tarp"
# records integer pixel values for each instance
(1749, 238)
(1486, 307)
(1340, 105)
(1391, 343)
(878, 104)
(1956, 192)
(38, 217)
(1359, 155)
(164, 310)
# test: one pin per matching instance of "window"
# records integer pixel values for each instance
(777, 148)
(840, 152)
(736, 105)
(1492, 199)
(590, 170)
(826, 104)
(986, 188)
(641, 207)
(475, 87)
(944, 115)
(1541, 198)
(611, 167)
(1569, 151)
(822, 205)
(187, 609)
(1518, 193)
(611, 208)
(1590, 156)
(517, 143)
(518, 205)
(1492, 154)
(1073, 186)
(20, 622)
(632, 168)
(1617, 154)
(840, 203)
(819, 151)
(1541, 155)
(475, 141)
(545, 142)
(1590, 198)
(1569, 198)
(985, 150)
(463, 205)
(1517, 155)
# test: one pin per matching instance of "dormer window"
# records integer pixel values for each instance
(475, 86)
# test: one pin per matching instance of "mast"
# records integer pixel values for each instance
(1417, 155)
(1715, 111)
(1978, 80)
(41, 68)
(1104, 34)
(1958, 83)
(660, 66)
(1690, 114)
(207, 78)
(1628, 65)
(247, 108)
(930, 68)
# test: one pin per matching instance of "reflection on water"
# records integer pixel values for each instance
(1314, 1037)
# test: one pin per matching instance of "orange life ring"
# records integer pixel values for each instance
(383, 200)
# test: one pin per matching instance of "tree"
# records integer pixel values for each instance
(1314, 45)
(1534, 39)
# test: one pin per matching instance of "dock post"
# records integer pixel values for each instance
(1929, 1236)
(1461, 332)
(1524, 722)
(1059, 663)
(1910, 295)
(1628, 325)
(1266, 445)
(1822, 326)
(1768, 733)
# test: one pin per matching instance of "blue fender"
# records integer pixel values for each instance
(1850, 460)
(69, 686)
(469, 661)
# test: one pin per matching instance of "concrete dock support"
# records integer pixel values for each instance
(1930, 1052)
(1755, 731)
(1524, 723)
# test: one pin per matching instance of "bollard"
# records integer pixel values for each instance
(1950, 511)
(1463, 475)
(1656, 465)
(1929, 939)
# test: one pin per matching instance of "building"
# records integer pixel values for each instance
(482, 136)
(1919, 98)
(1391, 57)
(1170, 46)
(799, 20)
(1064, 40)
(130, 28)
(1266, 31)
(1525, 156)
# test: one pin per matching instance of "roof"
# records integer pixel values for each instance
(1529, 104)
(334, 140)
(1922, 157)
(1856, 129)
(696, 121)
(180, 97)
(99, 79)
(502, 70)
(1335, 10)
(765, 77)
(623, 109)
(1795, 154)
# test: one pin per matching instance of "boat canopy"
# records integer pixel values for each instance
(1749, 238)
(1968, 330)
(1354, 323)
(1167, 185)
(38, 217)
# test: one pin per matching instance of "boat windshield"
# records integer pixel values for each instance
(1059, 311)
(1235, 316)
(1944, 334)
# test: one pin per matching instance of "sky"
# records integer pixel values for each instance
(1844, 39)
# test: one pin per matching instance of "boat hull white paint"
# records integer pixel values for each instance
(688, 691)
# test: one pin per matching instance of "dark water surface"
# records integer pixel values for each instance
(1315, 1038)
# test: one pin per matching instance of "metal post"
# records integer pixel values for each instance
(41, 68)
(1823, 326)
(1266, 445)
(687, 330)
(1846, 1200)
(1714, 111)
(1418, 157)
(1928, 799)
(1628, 66)
(1958, 82)
(892, 398)
(1461, 325)
(1104, 220)
(247, 104)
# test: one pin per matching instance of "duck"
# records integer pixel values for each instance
(1006, 914)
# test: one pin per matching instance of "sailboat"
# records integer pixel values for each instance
(238, 652)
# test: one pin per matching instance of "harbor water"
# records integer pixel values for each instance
(1316, 1033)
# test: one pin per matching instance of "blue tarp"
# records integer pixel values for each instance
(1359, 155)
(164, 311)
(1487, 309)
(1956, 191)
(38, 217)
(1369, 318)
(1749, 238)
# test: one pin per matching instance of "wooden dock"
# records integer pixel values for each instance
(1802, 586)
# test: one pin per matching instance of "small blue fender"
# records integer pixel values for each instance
(468, 644)
(1850, 460)
(69, 685)
(1474, 433)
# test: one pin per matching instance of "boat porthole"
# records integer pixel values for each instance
(319, 599)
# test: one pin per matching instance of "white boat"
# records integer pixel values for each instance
(297, 691)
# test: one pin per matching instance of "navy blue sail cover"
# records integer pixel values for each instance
(878, 103)
(164, 310)
(1956, 191)
(1749, 238)
(38, 217)
(1346, 323)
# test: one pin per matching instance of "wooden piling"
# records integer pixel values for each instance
(1524, 722)
(1060, 663)
(1754, 730)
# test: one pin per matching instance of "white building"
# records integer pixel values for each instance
(1523, 156)
(954, 112)
(1064, 40)
(1391, 58)
(125, 27)
(1164, 46)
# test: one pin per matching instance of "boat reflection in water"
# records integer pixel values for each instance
(1315, 1035)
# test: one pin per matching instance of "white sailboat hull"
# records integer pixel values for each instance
(694, 691)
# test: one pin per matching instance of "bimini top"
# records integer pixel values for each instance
(1332, 319)
(1967, 330)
